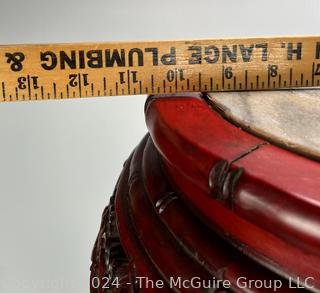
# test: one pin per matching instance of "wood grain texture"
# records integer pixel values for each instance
(64, 71)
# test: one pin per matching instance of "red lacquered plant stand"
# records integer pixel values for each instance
(204, 206)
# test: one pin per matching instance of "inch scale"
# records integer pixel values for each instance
(64, 71)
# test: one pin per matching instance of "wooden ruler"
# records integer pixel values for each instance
(63, 71)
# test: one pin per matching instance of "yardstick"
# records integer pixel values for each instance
(63, 71)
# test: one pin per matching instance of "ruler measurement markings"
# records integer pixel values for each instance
(55, 90)
(67, 89)
(176, 80)
(3, 91)
(92, 89)
(282, 72)
(79, 85)
(152, 83)
(246, 79)
(313, 73)
(222, 77)
(128, 82)
(279, 81)
(29, 87)
(104, 86)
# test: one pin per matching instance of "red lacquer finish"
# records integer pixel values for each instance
(200, 197)
(259, 195)
(218, 257)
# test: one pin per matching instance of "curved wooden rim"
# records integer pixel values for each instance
(200, 147)
(220, 258)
